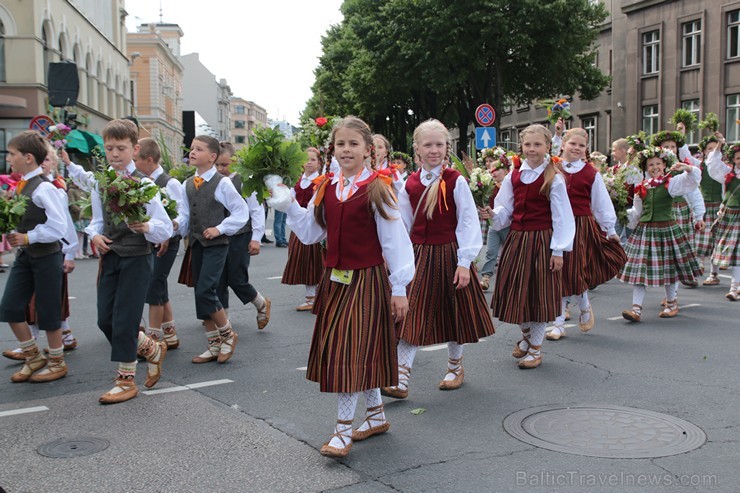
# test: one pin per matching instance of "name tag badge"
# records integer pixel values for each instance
(342, 276)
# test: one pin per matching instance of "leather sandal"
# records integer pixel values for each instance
(712, 280)
(263, 316)
(519, 352)
(459, 373)
(15, 356)
(586, 326)
(358, 436)
(228, 344)
(529, 364)
(557, 333)
(128, 392)
(338, 453)
(634, 314)
(307, 305)
(33, 363)
(404, 373)
(670, 310)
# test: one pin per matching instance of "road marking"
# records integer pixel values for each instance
(689, 306)
(436, 347)
(273, 278)
(302, 368)
(23, 411)
(192, 386)
(615, 318)
(725, 276)
(566, 326)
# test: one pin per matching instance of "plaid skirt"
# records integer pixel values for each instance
(682, 215)
(705, 240)
(594, 259)
(354, 343)
(438, 312)
(658, 253)
(727, 251)
(526, 289)
(305, 263)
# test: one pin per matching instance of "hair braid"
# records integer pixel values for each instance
(329, 156)
(373, 164)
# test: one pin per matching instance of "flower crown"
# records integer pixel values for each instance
(668, 157)
(637, 142)
(666, 135)
(706, 141)
(730, 150)
(497, 154)
(401, 156)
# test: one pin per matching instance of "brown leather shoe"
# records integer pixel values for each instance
(519, 352)
(530, 364)
(228, 344)
(34, 362)
(632, 315)
(55, 369)
(712, 280)
(586, 326)
(404, 374)
(459, 373)
(670, 310)
(307, 305)
(15, 356)
(485, 282)
(733, 295)
(557, 333)
(358, 436)
(338, 453)
(127, 391)
(263, 316)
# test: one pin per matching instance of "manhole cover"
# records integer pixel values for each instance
(604, 431)
(73, 447)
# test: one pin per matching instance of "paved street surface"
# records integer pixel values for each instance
(256, 424)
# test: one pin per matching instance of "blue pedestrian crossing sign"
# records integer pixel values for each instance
(485, 137)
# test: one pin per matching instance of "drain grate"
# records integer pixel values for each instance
(73, 447)
(604, 431)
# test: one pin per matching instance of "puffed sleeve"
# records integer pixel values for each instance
(685, 182)
(602, 206)
(563, 222)
(503, 205)
(467, 231)
(715, 167)
(634, 212)
(397, 249)
(303, 223)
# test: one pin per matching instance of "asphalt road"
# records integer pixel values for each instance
(257, 424)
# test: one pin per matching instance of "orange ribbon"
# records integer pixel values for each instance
(198, 181)
(395, 169)
(19, 187)
(321, 183)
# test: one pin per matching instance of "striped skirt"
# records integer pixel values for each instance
(31, 308)
(658, 253)
(305, 263)
(438, 312)
(705, 240)
(594, 259)
(526, 289)
(727, 251)
(682, 215)
(354, 343)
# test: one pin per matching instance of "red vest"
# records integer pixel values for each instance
(441, 229)
(493, 197)
(531, 208)
(303, 195)
(351, 232)
(579, 189)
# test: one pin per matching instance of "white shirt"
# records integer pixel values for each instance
(679, 185)
(684, 153)
(256, 215)
(717, 168)
(176, 191)
(557, 143)
(305, 182)
(69, 242)
(227, 196)
(601, 204)
(467, 230)
(394, 240)
(82, 178)
(46, 197)
(160, 225)
(563, 222)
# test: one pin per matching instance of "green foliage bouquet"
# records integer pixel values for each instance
(181, 172)
(684, 116)
(710, 122)
(124, 196)
(616, 185)
(11, 211)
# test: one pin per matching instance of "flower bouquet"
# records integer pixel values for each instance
(124, 196)
(170, 204)
(616, 185)
(58, 135)
(556, 108)
(682, 115)
(710, 122)
(11, 211)
(481, 184)
(637, 143)
(317, 131)
(268, 161)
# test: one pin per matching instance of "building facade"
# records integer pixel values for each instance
(156, 77)
(246, 116)
(207, 96)
(661, 55)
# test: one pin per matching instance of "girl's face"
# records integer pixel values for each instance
(381, 151)
(736, 160)
(709, 148)
(400, 165)
(575, 148)
(312, 165)
(671, 146)
(489, 163)
(431, 148)
(500, 174)
(351, 150)
(534, 148)
(50, 163)
(655, 167)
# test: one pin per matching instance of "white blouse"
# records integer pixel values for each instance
(681, 184)
(601, 204)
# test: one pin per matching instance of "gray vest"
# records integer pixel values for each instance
(126, 243)
(205, 211)
(34, 216)
(247, 228)
(162, 180)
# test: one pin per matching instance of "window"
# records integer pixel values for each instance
(589, 125)
(2, 52)
(239, 110)
(239, 124)
(650, 124)
(220, 115)
(692, 138)
(733, 115)
(651, 53)
(240, 139)
(692, 43)
(733, 34)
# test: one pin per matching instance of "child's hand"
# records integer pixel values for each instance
(559, 127)
(162, 248)
(399, 308)
(69, 266)
(484, 212)
(699, 225)
(139, 227)
(17, 239)
(720, 138)
(254, 247)
(556, 263)
(211, 233)
(681, 127)
(101, 244)
(65, 157)
(462, 277)
(614, 237)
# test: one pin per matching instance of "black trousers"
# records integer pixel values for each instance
(158, 293)
(121, 300)
(236, 272)
(207, 264)
(39, 275)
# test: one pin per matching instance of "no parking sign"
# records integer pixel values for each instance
(485, 115)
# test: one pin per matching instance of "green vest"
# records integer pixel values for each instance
(656, 206)
(732, 193)
(711, 189)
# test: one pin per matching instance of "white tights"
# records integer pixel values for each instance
(638, 293)
(346, 407)
(583, 304)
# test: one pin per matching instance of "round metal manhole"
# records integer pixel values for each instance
(604, 431)
(73, 447)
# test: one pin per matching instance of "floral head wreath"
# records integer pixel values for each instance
(668, 157)
(730, 150)
(667, 135)
(637, 142)
(706, 141)
(402, 156)
(495, 153)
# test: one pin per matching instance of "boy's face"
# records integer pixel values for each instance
(200, 155)
(120, 152)
(50, 163)
(20, 163)
(222, 164)
(400, 165)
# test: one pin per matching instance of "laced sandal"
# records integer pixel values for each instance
(149, 352)
(358, 436)
(210, 354)
(170, 337)
(528, 364)
(124, 390)
(690, 284)
(557, 333)
(485, 282)
(307, 305)
(519, 352)
(733, 295)
(459, 373)
(712, 280)
(263, 316)
(346, 439)
(586, 326)
(634, 314)
(14, 355)
(404, 375)
(34, 361)
(55, 369)
(228, 344)
(670, 310)
(69, 342)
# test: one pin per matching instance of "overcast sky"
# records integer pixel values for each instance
(265, 49)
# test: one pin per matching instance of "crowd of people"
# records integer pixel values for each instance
(386, 246)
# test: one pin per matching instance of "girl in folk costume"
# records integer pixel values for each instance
(727, 250)
(353, 350)
(403, 163)
(658, 251)
(499, 166)
(305, 262)
(705, 240)
(533, 201)
(382, 160)
(595, 259)
(446, 302)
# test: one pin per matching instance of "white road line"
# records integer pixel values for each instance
(276, 277)
(689, 305)
(71, 298)
(725, 276)
(566, 326)
(436, 347)
(187, 387)
(23, 411)
(302, 368)
(615, 318)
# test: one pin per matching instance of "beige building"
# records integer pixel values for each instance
(89, 33)
(156, 77)
(662, 55)
(245, 117)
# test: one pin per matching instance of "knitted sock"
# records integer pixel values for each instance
(454, 352)
(56, 361)
(155, 333)
(227, 338)
(311, 290)
(406, 355)
(345, 412)
(56, 352)
(670, 291)
(714, 268)
(526, 332)
(65, 324)
(372, 399)
(259, 302)
(214, 344)
(170, 334)
(560, 320)
(638, 294)
(67, 336)
(149, 348)
(583, 305)
(126, 371)
(538, 335)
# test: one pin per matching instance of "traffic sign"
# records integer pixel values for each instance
(485, 137)
(41, 124)
(485, 115)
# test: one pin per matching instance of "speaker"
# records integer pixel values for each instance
(64, 85)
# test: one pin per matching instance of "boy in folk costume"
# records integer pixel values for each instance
(216, 211)
(125, 267)
(161, 315)
(242, 245)
(446, 302)
(305, 263)
(353, 350)
(711, 190)
(38, 267)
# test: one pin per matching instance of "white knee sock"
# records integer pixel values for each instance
(736, 275)
(583, 305)
(259, 302)
(560, 320)
(406, 355)
(311, 290)
(538, 333)
(638, 294)
(34, 330)
(454, 352)
(65, 324)
(525, 328)
(345, 412)
(671, 291)
(714, 268)
(372, 399)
